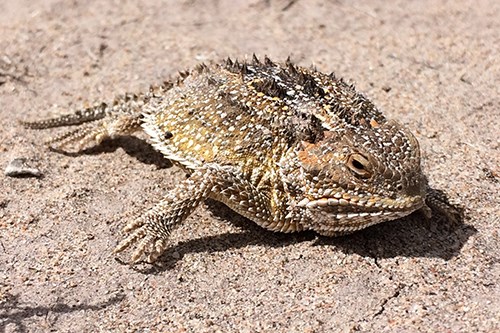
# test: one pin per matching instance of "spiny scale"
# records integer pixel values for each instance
(288, 147)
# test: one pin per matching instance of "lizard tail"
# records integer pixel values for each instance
(79, 117)
(94, 124)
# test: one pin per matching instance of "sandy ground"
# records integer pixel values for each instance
(433, 65)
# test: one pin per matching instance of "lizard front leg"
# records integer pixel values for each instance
(149, 233)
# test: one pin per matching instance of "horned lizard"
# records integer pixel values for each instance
(286, 146)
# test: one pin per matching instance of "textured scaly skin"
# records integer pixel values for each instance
(288, 147)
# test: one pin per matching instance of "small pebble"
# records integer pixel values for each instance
(19, 167)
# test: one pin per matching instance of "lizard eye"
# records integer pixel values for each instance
(359, 165)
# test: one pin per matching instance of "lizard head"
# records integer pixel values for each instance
(356, 176)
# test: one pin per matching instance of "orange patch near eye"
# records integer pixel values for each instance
(373, 123)
(312, 157)
(328, 134)
(306, 158)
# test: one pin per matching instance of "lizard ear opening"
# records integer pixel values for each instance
(359, 165)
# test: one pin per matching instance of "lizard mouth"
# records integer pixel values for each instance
(343, 214)
(375, 203)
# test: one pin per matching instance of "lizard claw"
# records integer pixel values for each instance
(436, 201)
(150, 239)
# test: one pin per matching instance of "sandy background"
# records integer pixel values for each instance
(433, 65)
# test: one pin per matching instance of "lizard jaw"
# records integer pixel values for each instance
(334, 216)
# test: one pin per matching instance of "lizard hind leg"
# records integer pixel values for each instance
(95, 132)
(81, 136)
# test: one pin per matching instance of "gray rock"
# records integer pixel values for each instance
(19, 167)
